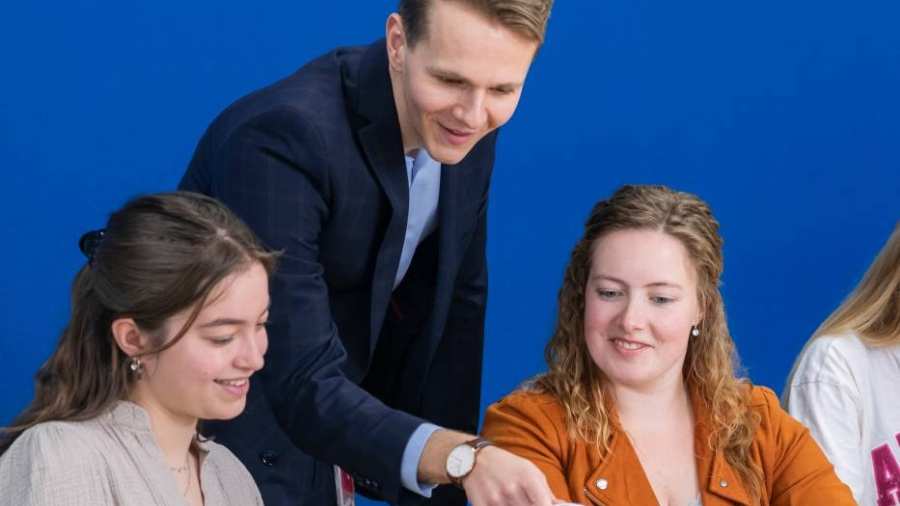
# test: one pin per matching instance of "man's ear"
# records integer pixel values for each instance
(395, 35)
(129, 337)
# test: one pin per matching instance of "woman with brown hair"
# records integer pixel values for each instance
(845, 381)
(641, 404)
(167, 325)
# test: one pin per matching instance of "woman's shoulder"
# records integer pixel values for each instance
(847, 344)
(524, 413)
(47, 456)
(528, 422)
(234, 478)
(776, 426)
(763, 399)
(828, 355)
(219, 455)
(529, 399)
(225, 463)
(55, 443)
(792, 462)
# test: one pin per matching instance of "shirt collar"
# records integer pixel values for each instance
(131, 416)
(416, 160)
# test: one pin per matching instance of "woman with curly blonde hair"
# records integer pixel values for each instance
(844, 383)
(641, 404)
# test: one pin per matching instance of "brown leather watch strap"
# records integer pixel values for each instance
(477, 444)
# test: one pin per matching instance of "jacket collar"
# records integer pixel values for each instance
(722, 481)
(370, 94)
(367, 87)
(620, 475)
(129, 416)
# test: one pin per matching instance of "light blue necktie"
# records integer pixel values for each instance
(424, 178)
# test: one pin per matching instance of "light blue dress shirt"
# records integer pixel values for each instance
(424, 177)
(412, 454)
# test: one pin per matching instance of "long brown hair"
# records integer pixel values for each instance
(158, 255)
(872, 310)
(711, 360)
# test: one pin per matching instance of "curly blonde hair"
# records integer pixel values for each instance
(711, 360)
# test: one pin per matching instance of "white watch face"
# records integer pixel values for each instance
(460, 461)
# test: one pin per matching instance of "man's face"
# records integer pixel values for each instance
(461, 80)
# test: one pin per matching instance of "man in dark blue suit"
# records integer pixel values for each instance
(369, 169)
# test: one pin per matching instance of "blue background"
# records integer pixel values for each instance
(785, 116)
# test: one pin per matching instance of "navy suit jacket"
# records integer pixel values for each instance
(314, 164)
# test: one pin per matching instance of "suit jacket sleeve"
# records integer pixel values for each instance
(273, 172)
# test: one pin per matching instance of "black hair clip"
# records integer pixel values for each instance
(89, 243)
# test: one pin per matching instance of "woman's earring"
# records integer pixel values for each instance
(136, 366)
(695, 331)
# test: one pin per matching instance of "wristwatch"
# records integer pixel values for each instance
(461, 460)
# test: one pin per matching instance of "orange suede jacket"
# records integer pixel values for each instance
(795, 470)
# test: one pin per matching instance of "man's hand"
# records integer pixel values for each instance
(500, 478)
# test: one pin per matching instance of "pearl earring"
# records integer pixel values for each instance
(695, 331)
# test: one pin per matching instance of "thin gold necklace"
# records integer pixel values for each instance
(182, 468)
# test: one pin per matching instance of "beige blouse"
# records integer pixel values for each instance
(112, 460)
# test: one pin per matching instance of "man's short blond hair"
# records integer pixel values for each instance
(525, 17)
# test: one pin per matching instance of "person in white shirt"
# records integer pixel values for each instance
(844, 384)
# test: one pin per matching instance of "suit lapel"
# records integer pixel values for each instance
(370, 95)
(455, 213)
(448, 259)
(379, 135)
(448, 241)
